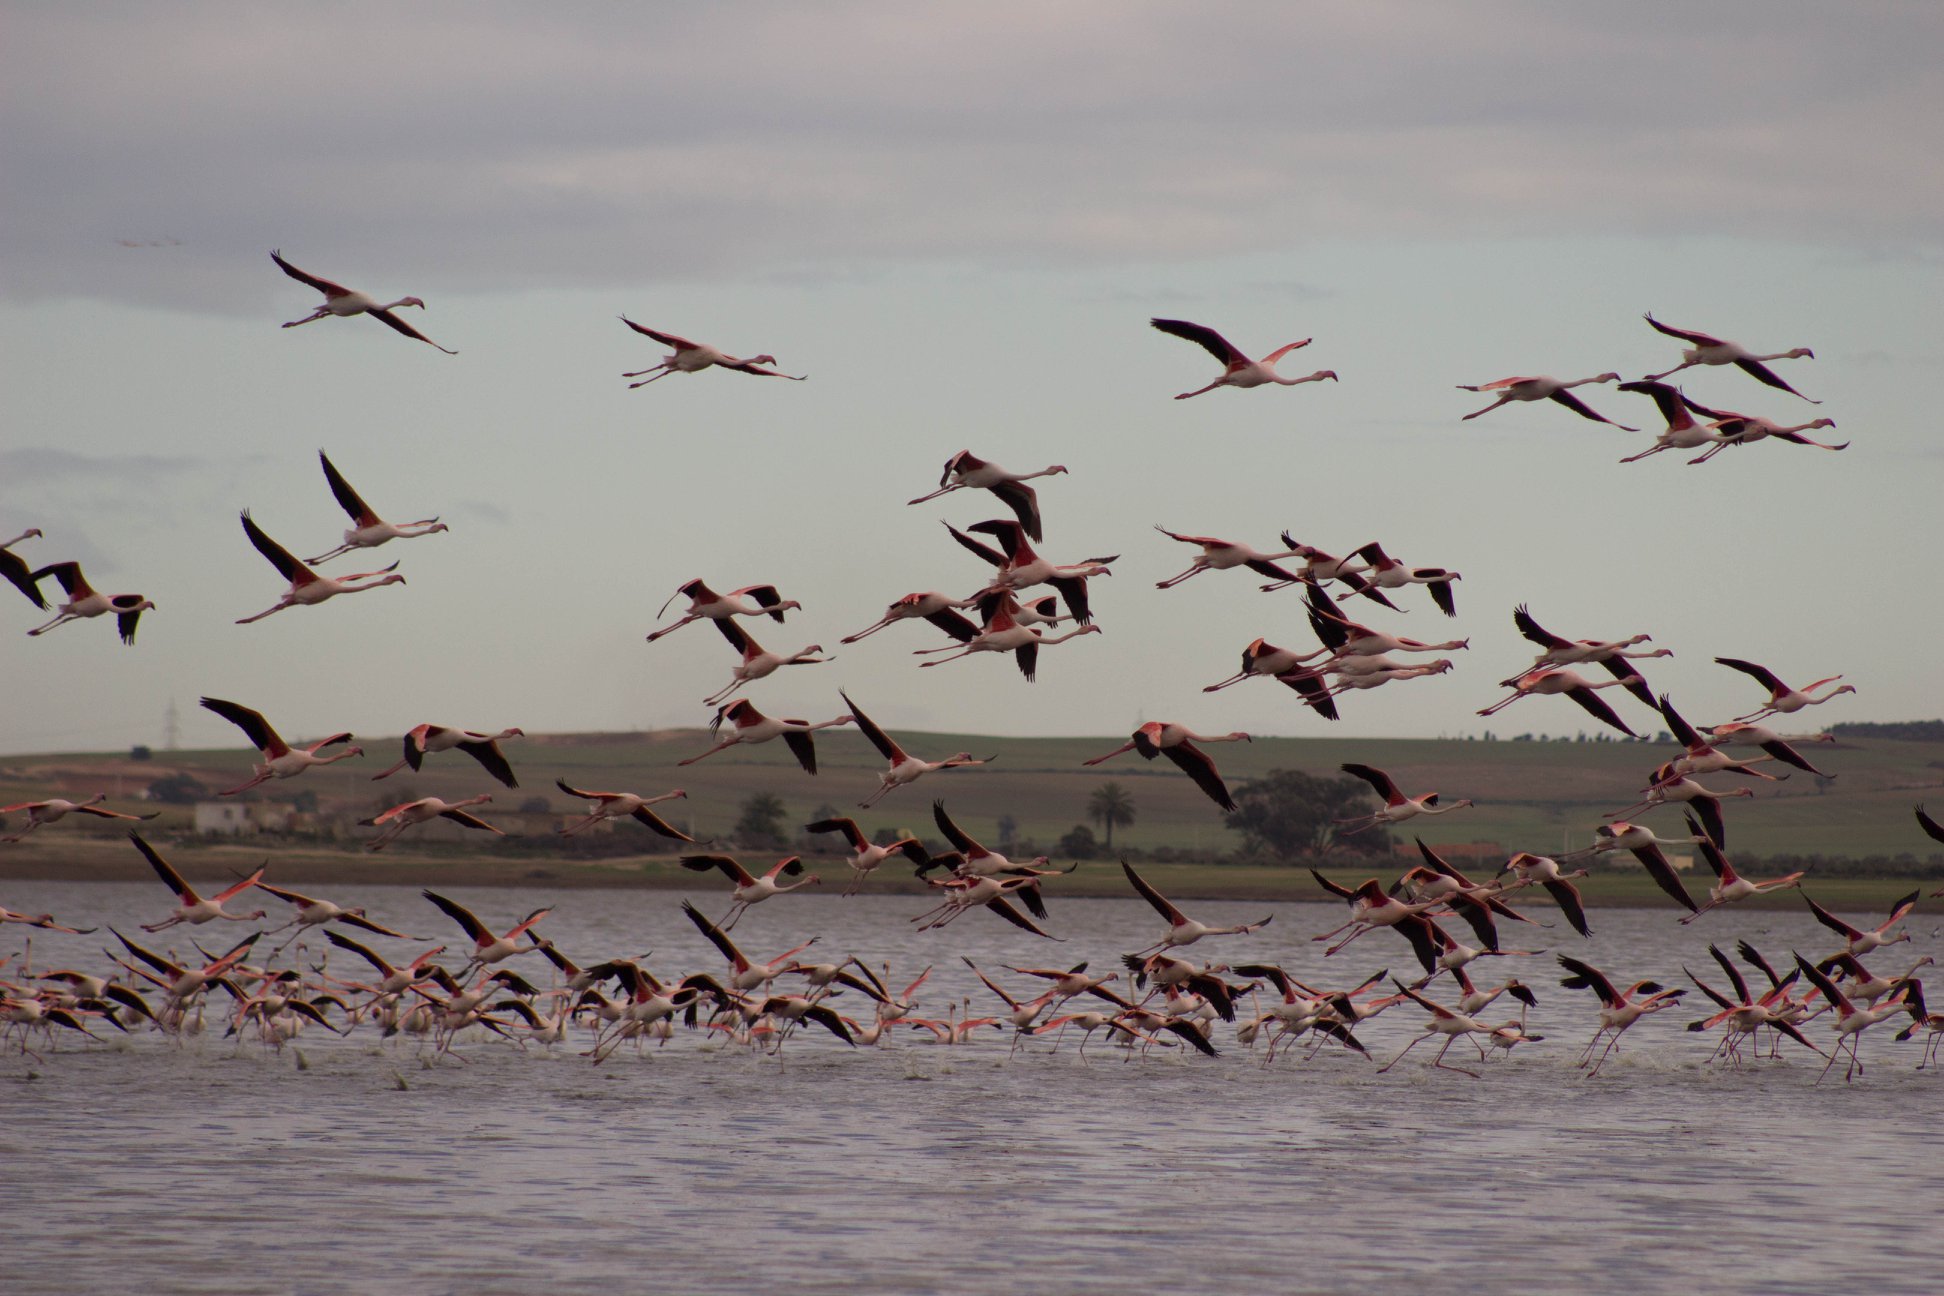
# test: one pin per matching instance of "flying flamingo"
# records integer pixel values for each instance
(745, 974)
(1238, 369)
(1355, 673)
(1371, 907)
(15, 569)
(1264, 658)
(1182, 930)
(964, 894)
(306, 586)
(939, 609)
(1177, 743)
(190, 907)
(1444, 1021)
(83, 601)
(1611, 654)
(1683, 432)
(1640, 841)
(1858, 942)
(1320, 568)
(1347, 638)
(1730, 886)
(865, 854)
(966, 471)
(343, 302)
(396, 820)
(748, 725)
(1544, 871)
(623, 805)
(694, 357)
(1573, 685)
(975, 861)
(429, 739)
(1851, 1021)
(1619, 1009)
(1783, 700)
(757, 662)
(706, 604)
(43, 921)
(1019, 567)
(904, 767)
(280, 759)
(1544, 388)
(1734, 733)
(1220, 555)
(488, 948)
(1665, 785)
(311, 912)
(1388, 573)
(368, 530)
(748, 888)
(54, 809)
(1699, 756)
(1708, 349)
(1002, 633)
(1397, 807)
(1743, 429)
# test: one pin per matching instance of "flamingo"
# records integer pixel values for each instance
(1544, 871)
(1922, 1019)
(694, 357)
(43, 921)
(1388, 573)
(623, 805)
(1682, 433)
(1371, 908)
(1220, 555)
(368, 530)
(1734, 733)
(1731, 887)
(343, 302)
(963, 894)
(83, 601)
(1320, 568)
(1353, 673)
(1783, 700)
(748, 888)
(1856, 941)
(1444, 1021)
(1619, 1009)
(1022, 1015)
(306, 586)
(1861, 983)
(939, 609)
(190, 907)
(1611, 654)
(748, 725)
(1640, 841)
(975, 861)
(15, 569)
(1177, 743)
(706, 604)
(398, 818)
(1262, 658)
(1743, 429)
(1019, 567)
(280, 759)
(1573, 685)
(757, 662)
(1002, 633)
(1541, 387)
(966, 471)
(391, 980)
(487, 948)
(865, 854)
(1397, 806)
(54, 809)
(1851, 1021)
(1665, 785)
(1698, 755)
(429, 739)
(1238, 369)
(311, 912)
(904, 768)
(746, 975)
(1708, 349)
(1347, 638)
(1182, 930)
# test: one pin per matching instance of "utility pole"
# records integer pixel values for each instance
(171, 728)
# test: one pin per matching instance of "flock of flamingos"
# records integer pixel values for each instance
(1157, 998)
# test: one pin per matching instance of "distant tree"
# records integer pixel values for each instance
(761, 820)
(1078, 844)
(1109, 805)
(535, 805)
(1008, 831)
(1290, 813)
(140, 752)
(177, 789)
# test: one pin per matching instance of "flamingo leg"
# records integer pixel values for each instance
(271, 612)
(1199, 390)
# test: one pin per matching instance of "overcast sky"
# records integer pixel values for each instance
(957, 221)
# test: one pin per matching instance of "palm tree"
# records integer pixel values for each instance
(1109, 805)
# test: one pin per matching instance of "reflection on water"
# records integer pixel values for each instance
(203, 1167)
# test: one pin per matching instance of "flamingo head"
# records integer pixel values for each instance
(762, 359)
(410, 301)
(1801, 353)
(1607, 377)
(1325, 373)
(353, 751)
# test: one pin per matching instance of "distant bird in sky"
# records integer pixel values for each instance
(1177, 743)
(368, 530)
(306, 586)
(1707, 349)
(342, 301)
(693, 357)
(83, 601)
(15, 569)
(966, 471)
(707, 605)
(280, 759)
(1541, 387)
(1238, 369)
(426, 739)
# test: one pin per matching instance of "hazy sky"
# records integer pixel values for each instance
(957, 221)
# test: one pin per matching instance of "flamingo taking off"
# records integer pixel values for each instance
(83, 601)
(904, 768)
(748, 888)
(343, 302)
(867, 855)
(966, 471)
(1707, 349)
(280, 759)
(1237, 369)
(488, 948)
(1177, 743)
(306, 586)
(396, 820)
(1541, 387)
(694, 357)
(368, 530)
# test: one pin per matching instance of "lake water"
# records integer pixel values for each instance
(204, 1167)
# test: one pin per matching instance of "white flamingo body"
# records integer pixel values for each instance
(344, 303)
(55, 809)
(83, 601)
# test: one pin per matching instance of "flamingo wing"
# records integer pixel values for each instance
(288, 567)
(953, 833)
(348, 499)
(170, 878)
(852, 833)
(955, 624)
(461, 915)
(999, 906)
(1534, 632)
(1595, 705)
(978, 547)
(1763, 374)
(765, 596)
(666, 339)
(1587, 977)
(1686, 335)
(1195, 763)
(1382, 782)
(14, 568)
(252, 723)
(1023, 500)
(879, 739)
(1663, 874)
(465, 820)
(1567, 896)
(655, 823)
(492, 760)
(1153, 897)
(803, 747)
(727, 865)
(1622, 669)
(1204, 337)
(1760, 674)
(324, 286)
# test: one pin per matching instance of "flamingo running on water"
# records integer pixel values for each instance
(1708, 349)
(83, 601)
(966, 471)
(694, 357)
(1238, 369)
(343, 302)
(368, 530)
